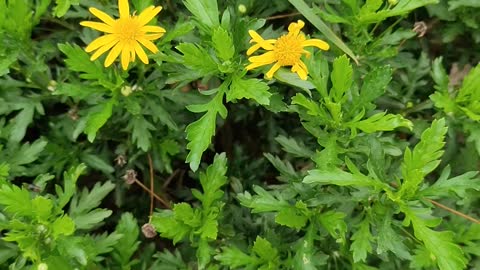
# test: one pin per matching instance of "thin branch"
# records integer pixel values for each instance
(281, 16)
(455, 212)
(152, 188)
(162, 201)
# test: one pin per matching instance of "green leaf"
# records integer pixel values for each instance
(169, 227)
(400, 9)
(234, 258)
(264, 201)
(445, 252)
(251, 89)
(97, 118)
(16, 201)
(61, 7)
(381, 122)
(42, 207)
(310, 15)
(341, 78)
(336, 176)
(361, 242)
(294, 147)
(200, 132)
(334, 223)
(79, 60)
(205, 11)
(263, 249)
(287, 172)
(4, 172)
(292, 217)
(213, 180)
(141, 132)
(82, 206)
(128, 244)
(388, 239)
(21, 122)
(198, 59)
(63, 225)
(223, 43)
(374, 85)
(70, 178)
(424, 158)
(459, 185)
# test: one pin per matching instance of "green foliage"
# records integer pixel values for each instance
(370, 163)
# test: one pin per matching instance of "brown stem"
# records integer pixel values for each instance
(162, 201)
(152, 189)
(455, 212)
(283, 16)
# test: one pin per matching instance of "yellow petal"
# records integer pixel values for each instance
(316, 43)
(132, 54)
(151, 28)
(114, 54)
(272, 71)
(294, 28)
(103, 49)
(125, 57)
(148, 14)
(268, 57)
(123, 8)
(141, 53)
(102, 16)
(253, 49)
(153, 36)
(148, 44)
(99, 42)
(103, 27)
(255, 65)
(301, 70)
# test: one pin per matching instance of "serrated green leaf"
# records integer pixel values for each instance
(82, 206)
(141, 132)
(223, 43)
(168, 227)
(341, 77)
(424, 158)
(263, 249)
(63, 225)
(70, 178)
(127, 245)
(339, 177)
(213, 179)
(445, 252)
(250, 89)
(262, 202)
(381, 122)
(374, 85)
(334, 223)
(200, 132)
(459, 185)
(16, 201)
(310, 15)
(292, 146)
(97, 118)
(21, 122)
(79, 60)
(400, 9)
(291, 217)
(205, 11)
(234, 257)
(198, 58)
(42, 207)
(361, 241)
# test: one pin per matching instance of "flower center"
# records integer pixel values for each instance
(127, 29)
(288, 50)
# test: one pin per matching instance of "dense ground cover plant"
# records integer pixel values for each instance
(239, 134)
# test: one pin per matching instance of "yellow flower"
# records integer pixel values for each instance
(287, 50)
(124, 35)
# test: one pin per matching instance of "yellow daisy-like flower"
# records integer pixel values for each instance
(287, 50)
(124, 35)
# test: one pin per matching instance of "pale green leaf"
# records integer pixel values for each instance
(223, 43)
(97, 119)
(251, 89)
(361, 245)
